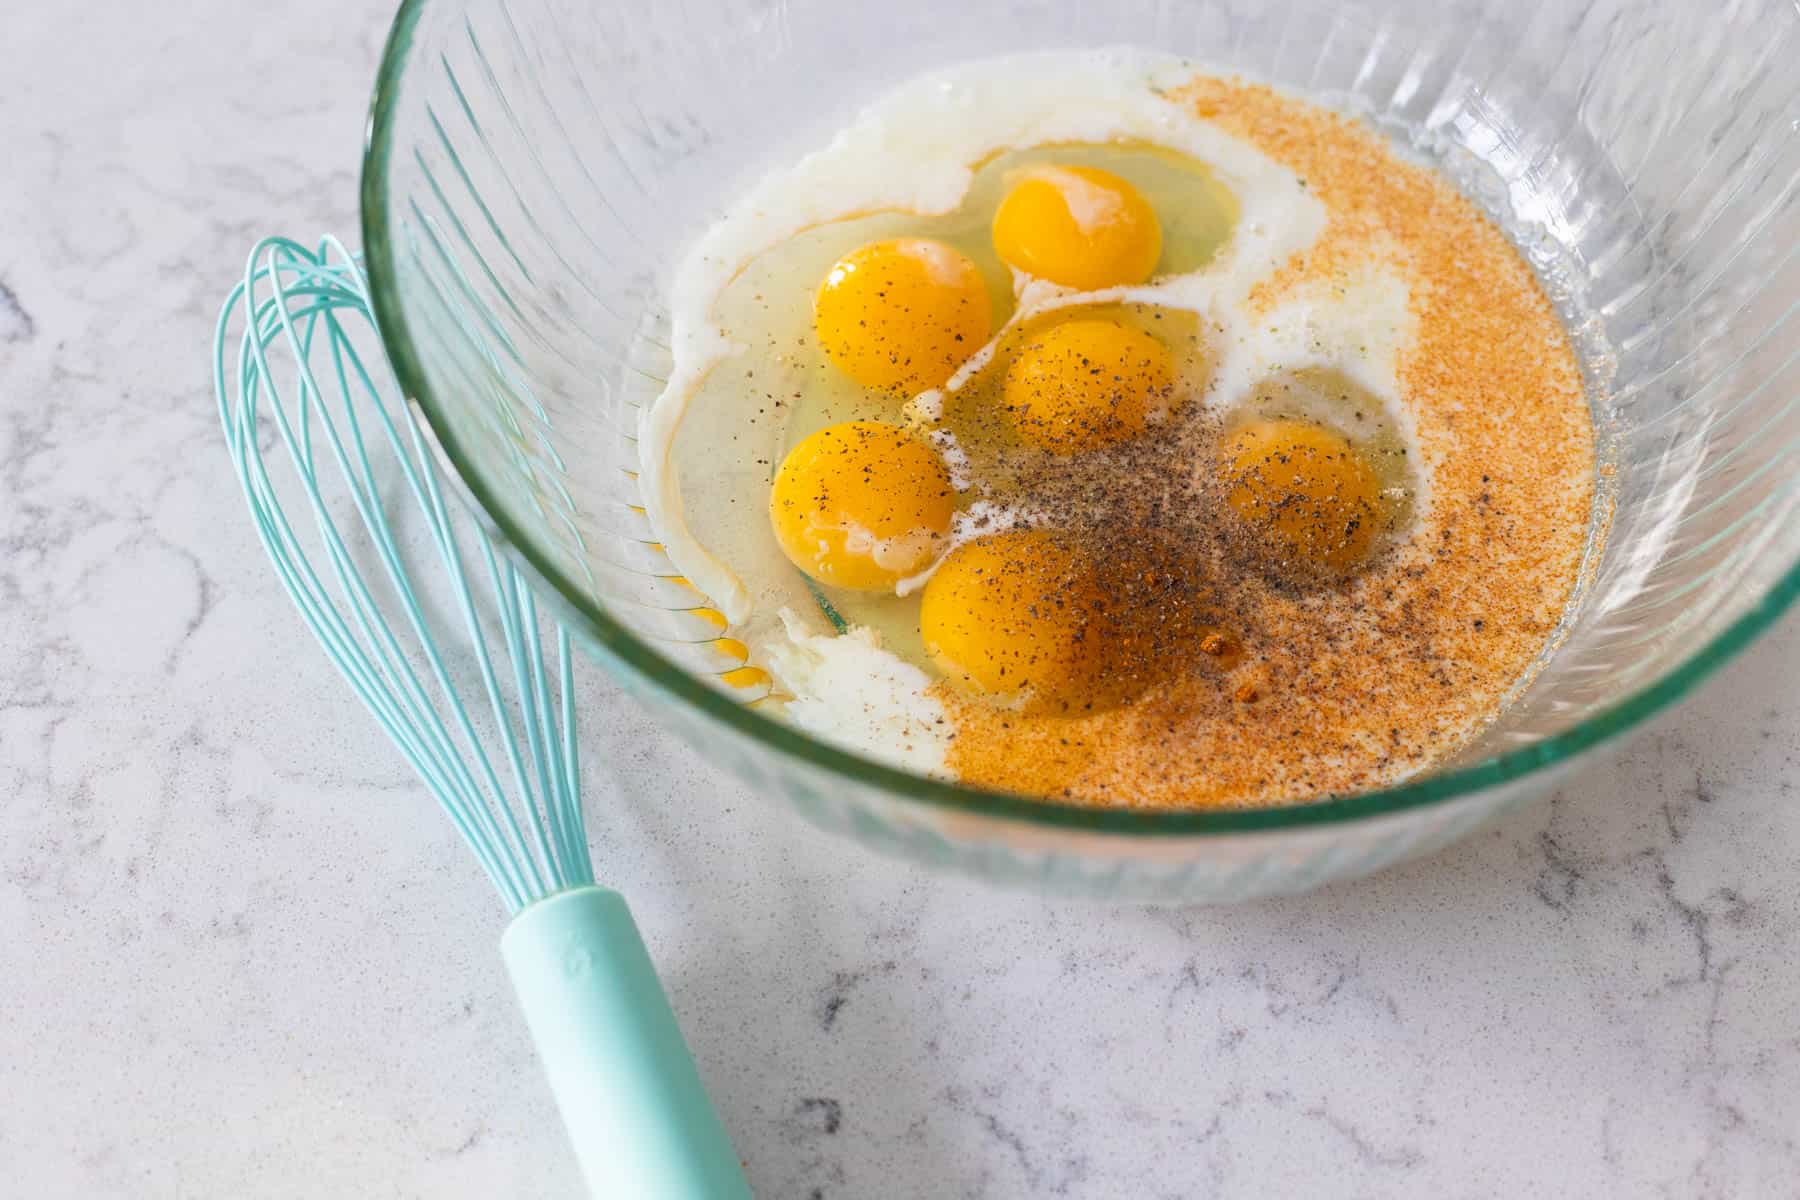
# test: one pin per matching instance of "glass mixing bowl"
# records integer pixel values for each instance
(536, 167)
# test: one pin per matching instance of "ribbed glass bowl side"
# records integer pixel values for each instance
(535, 167)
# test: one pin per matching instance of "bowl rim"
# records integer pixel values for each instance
(649, 664)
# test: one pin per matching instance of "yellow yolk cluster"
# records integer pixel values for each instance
(900, 316)
(861, 505)
(1035, 617)
(1082, 384)
(1305, 491)
(1080, 227)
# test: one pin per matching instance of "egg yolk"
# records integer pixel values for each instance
(1306, 490)
(900, 316)
(861, 505)
(1086, 383)
(1009, 614)
(1080, 227)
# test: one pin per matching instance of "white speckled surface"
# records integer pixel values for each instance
(241, 955)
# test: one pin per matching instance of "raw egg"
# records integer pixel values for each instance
(1080, 227)
(1085, 383)
(1008, 614)
(901, 315)
(861, 505)
(1307, 493)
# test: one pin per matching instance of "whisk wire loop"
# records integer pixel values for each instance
(333, 417)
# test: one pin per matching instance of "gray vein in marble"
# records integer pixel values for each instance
(16, 324)
(1366, 1151)
(835, 994)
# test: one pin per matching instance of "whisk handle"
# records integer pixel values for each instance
(629, 1092)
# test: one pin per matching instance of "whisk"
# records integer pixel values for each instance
(379, 562)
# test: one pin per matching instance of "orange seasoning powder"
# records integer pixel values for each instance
(1351, 686)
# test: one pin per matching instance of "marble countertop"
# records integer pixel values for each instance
(241, 955)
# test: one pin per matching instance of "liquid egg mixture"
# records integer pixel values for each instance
(1080, 426)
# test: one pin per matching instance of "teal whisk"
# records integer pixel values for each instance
(380, 563)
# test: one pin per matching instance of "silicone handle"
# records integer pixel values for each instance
(630, 1095)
